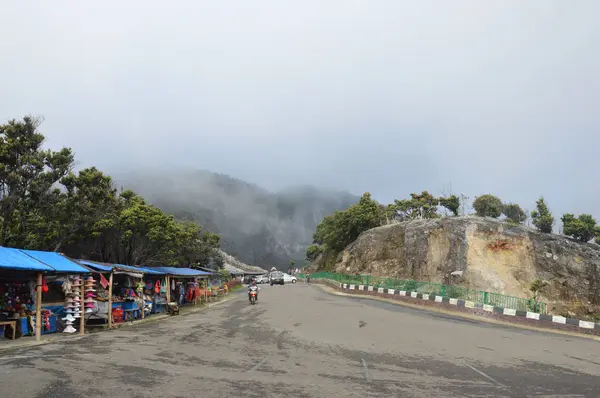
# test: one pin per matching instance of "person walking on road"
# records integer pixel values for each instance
(308, 278)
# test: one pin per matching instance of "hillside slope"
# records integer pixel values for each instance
(256, 226)
(493, 256)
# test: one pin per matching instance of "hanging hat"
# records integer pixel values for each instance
(89, 311)
(69, 329)
(69, 300)
(69, 317)
(78, 315)
(89, 300)
(90, 278)
(69, 306)
(69, 310)
(89, 294)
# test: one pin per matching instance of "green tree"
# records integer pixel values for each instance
(423, 205)
(542, 218)
(582, 228)
(341, 228)
(452, 203)
(488, 206)
(27, 174)
(514, 213)
(313, 251)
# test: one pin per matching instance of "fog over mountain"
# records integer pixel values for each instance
(257, 226)
(386, 96)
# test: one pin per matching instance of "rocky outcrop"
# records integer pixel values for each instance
(489, 254)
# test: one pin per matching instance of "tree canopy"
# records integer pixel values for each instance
(514, 213)
(582, 228)
(488, 206)
(542, 218)
(44, 205)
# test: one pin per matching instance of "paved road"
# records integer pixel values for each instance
(299, 341)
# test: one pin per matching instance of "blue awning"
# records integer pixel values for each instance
(182, 272)
(96, 266)
(15, 259)
(105, 267)
(148, 270)
(56, 261)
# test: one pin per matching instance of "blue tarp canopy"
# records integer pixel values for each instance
(182, 272)
(105, 267)
(15, 259)
(56, 261)
(96, 266)
(151, 271)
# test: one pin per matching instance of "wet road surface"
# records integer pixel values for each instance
(299, 341)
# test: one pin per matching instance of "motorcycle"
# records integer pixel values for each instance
(253, 297)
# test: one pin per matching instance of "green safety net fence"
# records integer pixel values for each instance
(450, 291)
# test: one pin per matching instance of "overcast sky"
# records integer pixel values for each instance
(383, 96)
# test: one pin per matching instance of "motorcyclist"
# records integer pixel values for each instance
(252, 287)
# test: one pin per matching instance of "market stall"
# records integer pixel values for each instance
(32, 298)
(184, 285)
(123, 293)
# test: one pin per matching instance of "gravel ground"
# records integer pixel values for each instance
(299, 341)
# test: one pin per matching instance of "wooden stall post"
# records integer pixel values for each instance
(110, 287)
(82, 319)
(168, 288)
(38, 308)
(143, 300)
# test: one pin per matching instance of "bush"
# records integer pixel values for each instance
(514, 213)
(488, 206)
(582, 228)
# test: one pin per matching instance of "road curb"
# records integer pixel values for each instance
(462, 308)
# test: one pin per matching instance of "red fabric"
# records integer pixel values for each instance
(103, 281)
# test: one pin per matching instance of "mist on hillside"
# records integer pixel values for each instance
(389, 97)
(257, 226)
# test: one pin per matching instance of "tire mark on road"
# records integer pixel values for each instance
(258, 365)
(490, 378)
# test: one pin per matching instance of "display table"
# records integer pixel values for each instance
(13, 325)
(25, 330)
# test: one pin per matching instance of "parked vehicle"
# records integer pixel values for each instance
(287, 278)
(277, 278)
(262, 279)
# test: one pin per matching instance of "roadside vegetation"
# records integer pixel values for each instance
(46, 205)
(341, 228)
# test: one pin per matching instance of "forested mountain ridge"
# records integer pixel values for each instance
(256, 226)
(45, 205)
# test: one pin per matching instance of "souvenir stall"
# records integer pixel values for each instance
(155, 291)
(28, 277)
(122, 293)
(184, 285)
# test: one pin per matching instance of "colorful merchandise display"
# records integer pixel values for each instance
(72, 290)
(90, 295)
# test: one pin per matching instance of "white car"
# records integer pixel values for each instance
(287, 278)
